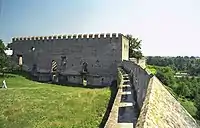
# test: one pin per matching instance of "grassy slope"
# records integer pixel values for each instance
(31, 104)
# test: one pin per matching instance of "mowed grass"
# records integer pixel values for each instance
(29, 104)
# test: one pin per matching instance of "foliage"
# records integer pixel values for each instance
(165, 75)
(189, 106)
(185, 89)
(190, 65)
(3, 58)
(5, 62)
(197, 103)
(151, 69)
(134, 47)
(28, 104)
(119, 76)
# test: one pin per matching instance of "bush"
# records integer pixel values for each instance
(189, 106)
(151, 69)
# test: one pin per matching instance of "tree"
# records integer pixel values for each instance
(134, 47)
(197, 104)
(183, 90)
(3, 58)
(165, 75)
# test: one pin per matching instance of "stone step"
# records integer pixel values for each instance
(125, 75)
(126, 80)
(127, 98)
(126, 93)
(125, 85)
(125, 125)
(125, 89)
(125, 104)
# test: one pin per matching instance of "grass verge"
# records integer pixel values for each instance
(28, 104)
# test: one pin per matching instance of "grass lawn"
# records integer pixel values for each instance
(28, 104)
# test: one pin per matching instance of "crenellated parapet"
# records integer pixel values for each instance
(68, 37)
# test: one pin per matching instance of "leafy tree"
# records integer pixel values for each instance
(3, 58)
(190, 65)
(197, 103)
(134, 47)
(189, 106)
(166, 75)
(183, 90)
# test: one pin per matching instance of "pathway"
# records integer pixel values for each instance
(127, 111)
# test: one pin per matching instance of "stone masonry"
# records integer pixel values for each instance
(100, 54)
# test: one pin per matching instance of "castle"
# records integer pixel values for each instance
(72, 58)
(141, 99)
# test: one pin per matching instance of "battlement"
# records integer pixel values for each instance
(69, 37)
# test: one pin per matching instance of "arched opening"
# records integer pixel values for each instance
(20, 60)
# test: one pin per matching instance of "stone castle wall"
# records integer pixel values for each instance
(102, 52)
(139, 79)
(157, 107)
(161, 110)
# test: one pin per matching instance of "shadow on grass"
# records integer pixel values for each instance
(30, 77)
(6, 76)
(113, 89)
(21, 73)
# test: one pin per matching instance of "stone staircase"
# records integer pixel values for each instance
(128, 112)
(124, 112)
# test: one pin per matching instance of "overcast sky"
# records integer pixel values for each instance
(166, 27)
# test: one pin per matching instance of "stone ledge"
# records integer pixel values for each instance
(160, 109)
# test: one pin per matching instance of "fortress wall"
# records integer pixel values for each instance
(162, 110)
(125, 48)
(99, 80)
(140, 80)
(102, 52)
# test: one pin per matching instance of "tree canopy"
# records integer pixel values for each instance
(134, 47)
(190, 65)
(185, 89)
(5, 63)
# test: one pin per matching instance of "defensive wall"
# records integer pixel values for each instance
(157, 108)
(101, 52)
(141, 62)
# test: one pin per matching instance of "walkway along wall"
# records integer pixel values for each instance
(157, 108)
(139, 79)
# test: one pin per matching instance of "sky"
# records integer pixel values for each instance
(166, 27)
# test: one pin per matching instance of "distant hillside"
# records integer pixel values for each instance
(190, 65)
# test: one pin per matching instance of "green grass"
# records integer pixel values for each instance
(28, 104)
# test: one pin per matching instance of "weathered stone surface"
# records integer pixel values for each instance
(101, 53)
(139, 79)
(124, 111)
(161, 110)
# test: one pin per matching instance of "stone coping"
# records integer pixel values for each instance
(161, 110)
